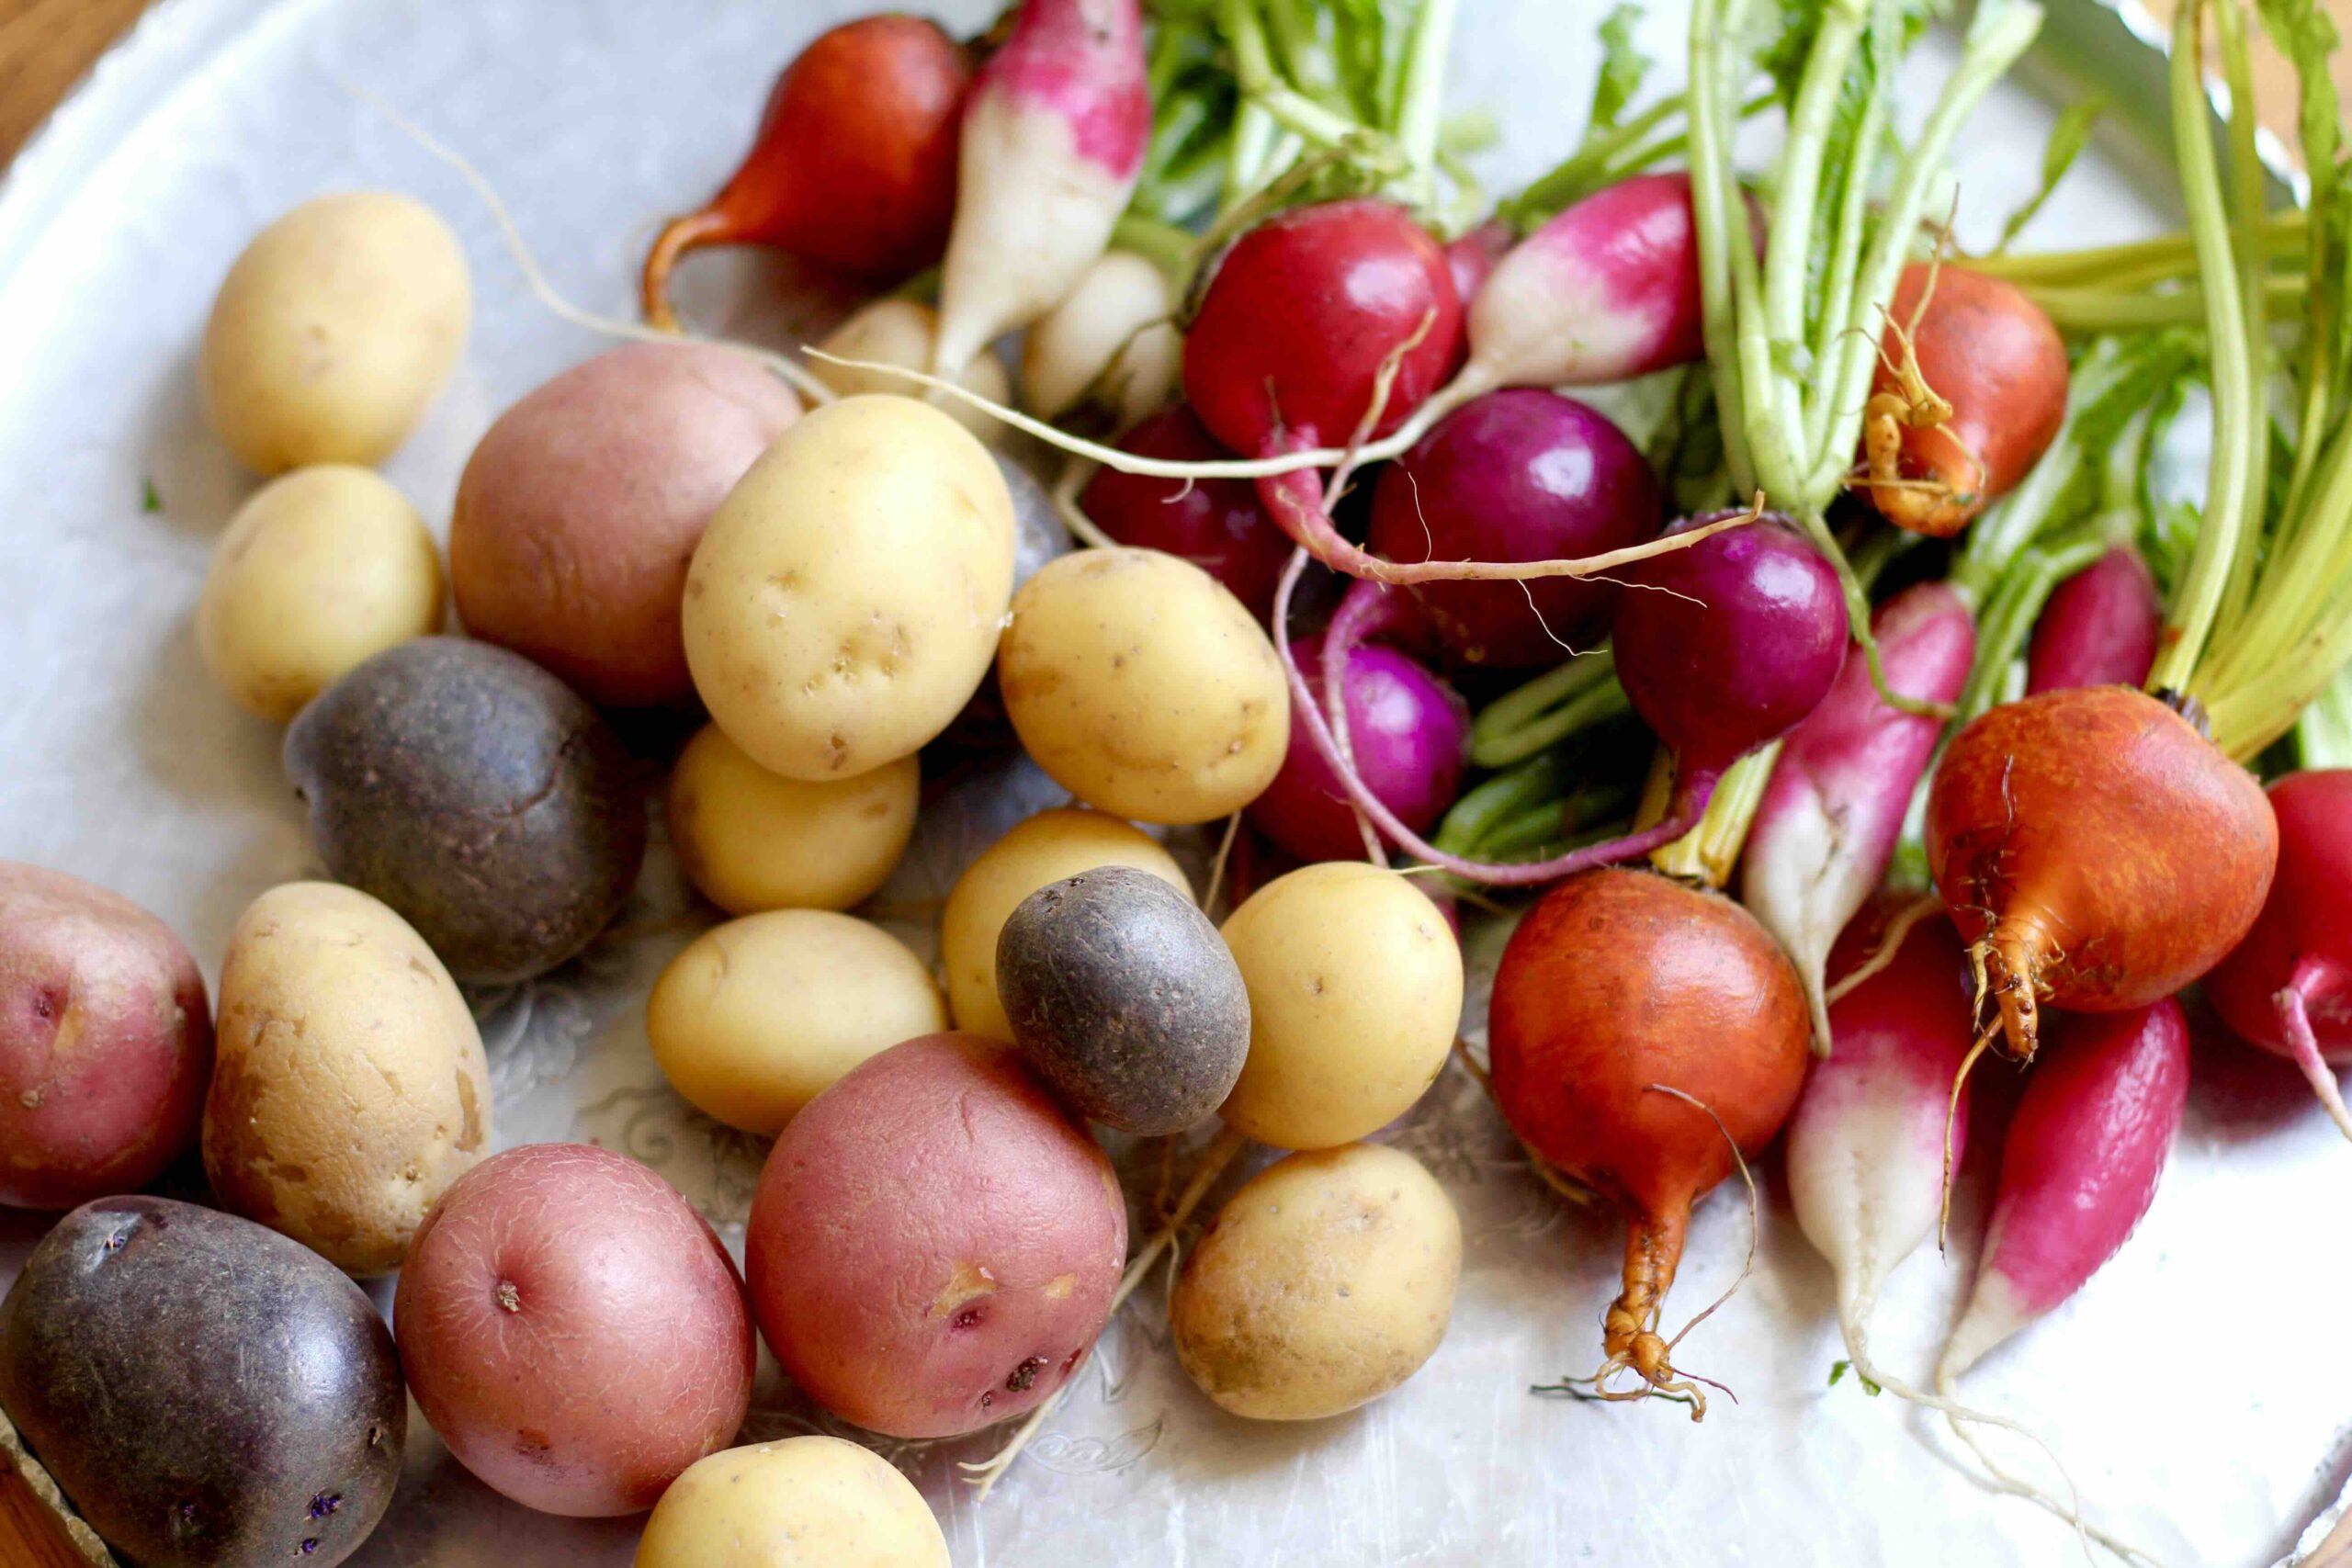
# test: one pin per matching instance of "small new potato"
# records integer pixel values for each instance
(1144, 687)
(333, 332)
(845, 601)
(1355, 996)
(1323, 1283)
(1045, 848)
(758, 1016)
(350, 1088)
(319, 569)
(813, 1502)
(901, 332)
(751, 839)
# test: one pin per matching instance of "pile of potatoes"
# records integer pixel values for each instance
(938, 1239)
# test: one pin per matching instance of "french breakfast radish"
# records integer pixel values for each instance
(1218, 524)
(2098, 628)
(1109, 348)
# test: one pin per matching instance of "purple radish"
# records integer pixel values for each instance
(1834, 808)
(2099, 629)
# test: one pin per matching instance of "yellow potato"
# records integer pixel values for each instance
(802, 1503)
(1355, 994)
(751, 839)
(1046, 848)
(759, 1015)
(901, 332)
(844, 602)
(320, 569)
(348, 1085)
(1144, 687)
(333, 332)
(1323, 1283)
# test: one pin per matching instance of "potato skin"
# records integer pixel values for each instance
(350, 1090)
(106, 1041)
(1323, 1283)
(581, 506)
(751, 839)
(478, 796)
(812, 1502)
(1144, 687)
(209, 1394)
(1124, 1000)
(333, 331)
(573, 1329)
(845, 600)
(933, 1244)
(901, 332)
(1043, 848)
(758, 1016)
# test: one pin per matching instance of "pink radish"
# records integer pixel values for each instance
(2099, 629)
(1835, 805)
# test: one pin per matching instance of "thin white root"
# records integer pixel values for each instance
(1074, 475)
(1890, 943)
(1961, 1416)
(1217, 866)
(1550, 1174)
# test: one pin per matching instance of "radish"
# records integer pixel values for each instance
(1644, 1036)
(1473, 257)
(1834, 808)
(1218, 524)
(2098, 628)
(1053, 140)
(2288, 987)
(1110, 346)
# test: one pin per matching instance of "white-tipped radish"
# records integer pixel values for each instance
(901, 332)
(1111, 344)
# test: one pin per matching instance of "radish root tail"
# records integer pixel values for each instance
(2001, 1478)
(2294, 1020)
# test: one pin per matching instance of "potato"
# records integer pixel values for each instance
(757, 1016)
(319, 569)
(1144, 687)
(478, 796)
(901, 332)
(811, 1502)
(751, 839)
(1045, 848)
(1323, 1283)
(1124, 1000)
(208, 1393)
(581, 508)
(933, 1244)
(574, 1330)
(105, 1041)
(846, 599)
(1355, 995)
(333, 332)
(350, 1090)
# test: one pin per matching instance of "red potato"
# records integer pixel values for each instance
(105, 1041)
(935, 1243)
(573, 1329)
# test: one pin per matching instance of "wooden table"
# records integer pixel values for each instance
(46, 45)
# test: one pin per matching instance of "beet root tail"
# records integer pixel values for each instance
(2295, 1022)
(1629, 1328)
(677, 237)
(2009, 968)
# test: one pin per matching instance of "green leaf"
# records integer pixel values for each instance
(148, 500)
(1623, 68)
(1837, 1371)
(2067, 140)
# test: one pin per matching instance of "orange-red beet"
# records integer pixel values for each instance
(1619, 980)
(2097, 852)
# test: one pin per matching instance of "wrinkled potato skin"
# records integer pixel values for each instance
(759, 1016)
(811, 1502)
(901, 332)
(574, 1330)
(106, 1041)
(1045, 848)
(1323, 1283)
(581, 508)
(350, 1090)
(846, 599)
(319, 569)
(332, 333)
(1355, 996)
(1144, 687)
(751, 840)
(933, 1245)
(209, 1394)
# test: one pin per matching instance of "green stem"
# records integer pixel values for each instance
(2246, 182)
(1719, 214)
(2171, 256)
(1709, 851)
(1164, 246)
(1546, 711)
(2108, 311)
(1421, 113)
(2009, 616)
(1845, 259)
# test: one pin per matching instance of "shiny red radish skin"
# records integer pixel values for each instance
(2078, 1168)
(1411, 738)
(2095, 851)
(1617, 980)
(854, 167)
(2100, 628)
(1218, 524)
(2288, 987)
(1833, 809)
(1473, 257)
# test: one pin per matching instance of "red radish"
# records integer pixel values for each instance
(1053, 136)
(1218, 524)
(2095, 851)
(1834, 808)
(2288, 987)
(1473, 257)
(1620, 992)
(2100, 628)
(855, 164)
